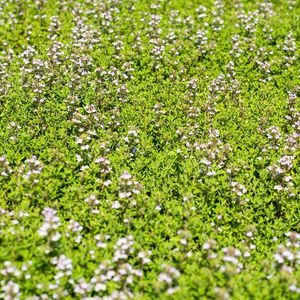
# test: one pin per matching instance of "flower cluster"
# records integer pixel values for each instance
(50, 225)
(128, 187)
(287, 257)
(33, 167)
(5, 166)
(289, 48)
(169, 278)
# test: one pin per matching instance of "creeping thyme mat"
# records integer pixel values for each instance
(149, 149)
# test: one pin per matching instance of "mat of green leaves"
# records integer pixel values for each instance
(149, 149)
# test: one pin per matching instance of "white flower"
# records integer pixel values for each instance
(125, 175)
(107, 182)
(116, 205)
(279, 258)
(56, 237)
(11, 290)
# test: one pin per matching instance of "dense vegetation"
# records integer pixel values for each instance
(149, 149)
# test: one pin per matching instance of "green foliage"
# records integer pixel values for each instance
(149, 149)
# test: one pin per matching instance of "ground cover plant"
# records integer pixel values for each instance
(149, 149)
